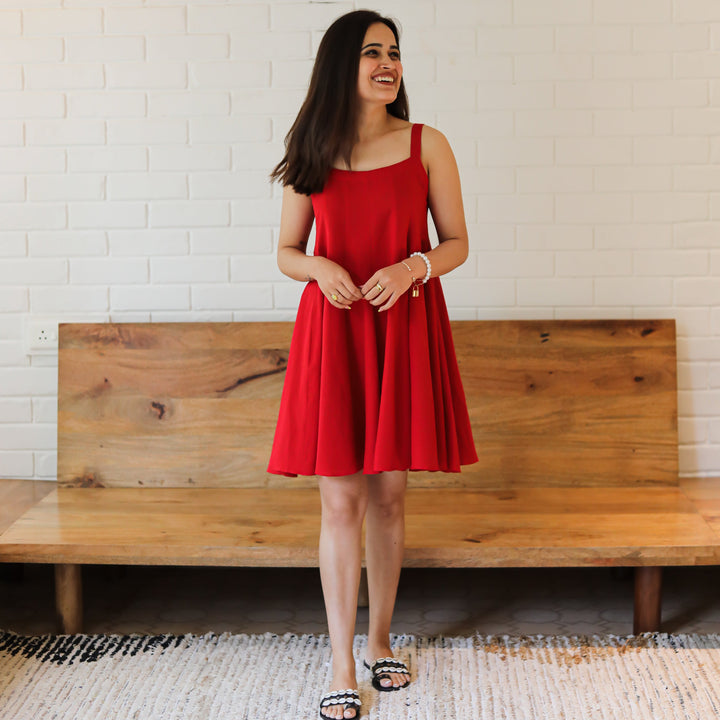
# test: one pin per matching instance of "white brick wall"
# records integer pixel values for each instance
(136, 137)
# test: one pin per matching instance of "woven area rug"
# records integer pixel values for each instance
(259, 677)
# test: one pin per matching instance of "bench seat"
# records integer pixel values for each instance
(18, 496)
(445, 527)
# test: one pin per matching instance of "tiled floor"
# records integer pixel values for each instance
(430, 602)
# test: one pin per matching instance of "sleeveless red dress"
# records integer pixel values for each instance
(366, 390)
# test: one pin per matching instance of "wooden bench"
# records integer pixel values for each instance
(164, 432)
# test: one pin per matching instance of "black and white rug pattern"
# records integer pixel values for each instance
(256, 677)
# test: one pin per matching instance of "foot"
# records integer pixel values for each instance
(340, 704)
(390, 680)
(342, 681)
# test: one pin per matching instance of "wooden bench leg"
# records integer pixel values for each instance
(363, 594)
(648, 599)
(68, 598)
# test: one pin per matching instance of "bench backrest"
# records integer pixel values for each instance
(552, 402)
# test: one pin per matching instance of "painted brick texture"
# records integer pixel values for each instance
(136, 137)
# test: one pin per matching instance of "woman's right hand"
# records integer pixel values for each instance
(335, 283)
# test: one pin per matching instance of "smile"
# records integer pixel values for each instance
(387, 79)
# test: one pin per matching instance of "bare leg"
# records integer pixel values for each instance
(384, 547)
(344, 502)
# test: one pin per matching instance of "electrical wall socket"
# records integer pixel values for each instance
(41, 336)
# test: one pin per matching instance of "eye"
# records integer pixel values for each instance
(395, 55)
(371, 52)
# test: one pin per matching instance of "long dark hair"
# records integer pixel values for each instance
(326, 126)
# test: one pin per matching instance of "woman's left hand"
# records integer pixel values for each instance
(385, 287)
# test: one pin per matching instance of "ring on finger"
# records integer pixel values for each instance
(334, 297)
(379, 287)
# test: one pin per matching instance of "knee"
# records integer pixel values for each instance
(389, 506)
(343, 510)
(387, 496)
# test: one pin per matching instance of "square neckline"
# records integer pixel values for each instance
(415, 140)
(369, 170)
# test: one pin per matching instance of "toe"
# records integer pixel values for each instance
(401, 680)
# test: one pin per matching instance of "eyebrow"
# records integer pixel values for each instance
(378, 45)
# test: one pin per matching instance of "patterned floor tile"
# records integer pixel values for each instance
(430, 602)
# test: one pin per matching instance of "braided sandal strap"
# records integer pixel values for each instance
(388, 665)
(341, 697)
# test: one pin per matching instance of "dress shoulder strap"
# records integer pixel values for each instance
(416, 140)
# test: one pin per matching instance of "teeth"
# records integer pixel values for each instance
(383, 78)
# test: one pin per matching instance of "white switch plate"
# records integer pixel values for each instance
(41, 336)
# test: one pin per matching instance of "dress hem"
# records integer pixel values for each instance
(287, 473)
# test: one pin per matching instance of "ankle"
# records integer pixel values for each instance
(372, 655)
(379, 646)
(344, 675)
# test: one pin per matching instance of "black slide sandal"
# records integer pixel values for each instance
(383, 668)
(347, 698)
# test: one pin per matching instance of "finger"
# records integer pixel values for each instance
(350, 290)
(371, 294)
(378, 292)
(393, 299)
(339, 296)
(369, 285)
(337, 301)
(377, 297)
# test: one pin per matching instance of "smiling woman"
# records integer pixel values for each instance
(321, 133)
(372, 388)
(386, 78)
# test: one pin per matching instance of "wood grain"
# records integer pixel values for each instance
(176, 404)
(18, 496)
(448, 527)
(553, 403)
(704, 493)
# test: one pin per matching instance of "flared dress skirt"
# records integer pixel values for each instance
(366, 390)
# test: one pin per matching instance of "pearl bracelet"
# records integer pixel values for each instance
(427, 265)
(417, 283)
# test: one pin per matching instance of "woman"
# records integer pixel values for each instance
(372, 388)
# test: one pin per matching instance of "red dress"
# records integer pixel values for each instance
(366, 390)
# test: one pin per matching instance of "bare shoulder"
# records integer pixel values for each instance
(435, 148)
(434, 141)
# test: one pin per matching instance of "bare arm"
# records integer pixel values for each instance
(296, 222)
(446, 207)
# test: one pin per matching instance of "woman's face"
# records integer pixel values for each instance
(380, 69)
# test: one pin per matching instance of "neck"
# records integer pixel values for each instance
(373, 121)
